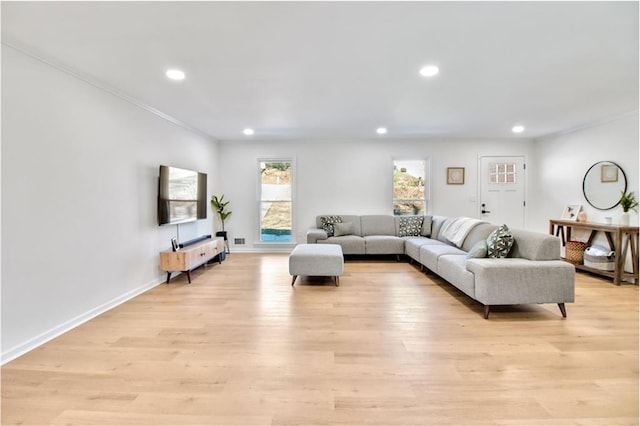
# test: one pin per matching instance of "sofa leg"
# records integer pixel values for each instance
(397, 258)
(293, 281)
(487, 308)
(563, 309)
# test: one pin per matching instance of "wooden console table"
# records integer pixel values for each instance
(191, 257)
(622, 239)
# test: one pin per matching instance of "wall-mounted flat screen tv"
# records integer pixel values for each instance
(182, 195)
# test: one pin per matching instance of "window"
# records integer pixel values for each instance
(409, 195)
(275, 200)
(502, 173)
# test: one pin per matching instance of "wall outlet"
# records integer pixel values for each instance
(238, 241)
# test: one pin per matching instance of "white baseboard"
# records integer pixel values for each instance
(29, 345)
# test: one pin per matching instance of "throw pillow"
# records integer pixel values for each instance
(340, 229)
(478, 251)
(410, 226)
(499, 242)
(426, 225)
(327, 223)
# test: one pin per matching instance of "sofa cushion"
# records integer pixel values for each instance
(499, 242)
(344, 228)
(429, 254)
(383, 244)
(436, 225)
(479, 232)
(478, 251)
(412, 245)
(382, 224)
(328, 222)
(351, 244)
(410, 226)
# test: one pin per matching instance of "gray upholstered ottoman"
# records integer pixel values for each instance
(316, 260)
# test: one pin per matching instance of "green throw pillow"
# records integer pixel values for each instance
(327, 223)
(410, 226)
(478, 251)
(340, 229)
(499, 242)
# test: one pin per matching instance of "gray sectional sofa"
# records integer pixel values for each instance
(531, 273)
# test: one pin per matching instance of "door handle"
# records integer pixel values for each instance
(483, 211)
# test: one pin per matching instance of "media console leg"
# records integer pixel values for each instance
(189, 276)
(168, 277)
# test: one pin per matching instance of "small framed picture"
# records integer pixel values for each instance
(571, 211)
(174, 244)
(455, 175)
(608, 173)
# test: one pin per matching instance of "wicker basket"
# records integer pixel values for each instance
(574, 251)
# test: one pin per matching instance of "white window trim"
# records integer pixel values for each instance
(259, 242)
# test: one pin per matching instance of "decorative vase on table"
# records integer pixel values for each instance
(624, 219)
(628, 202)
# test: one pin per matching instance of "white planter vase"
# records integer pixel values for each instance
(624, 219)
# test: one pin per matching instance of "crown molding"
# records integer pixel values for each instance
(101, 85)
(589, 125)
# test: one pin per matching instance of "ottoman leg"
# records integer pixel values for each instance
(293, 281)
(337, 281)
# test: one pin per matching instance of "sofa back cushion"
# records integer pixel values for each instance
(480, 232)
(354, 219)
(382, 224)
(535, 245)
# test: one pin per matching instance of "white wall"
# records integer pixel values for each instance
(561, 162)
(351, 177)
(79, 188)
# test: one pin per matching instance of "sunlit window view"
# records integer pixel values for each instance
(409, 187)
(275, 201)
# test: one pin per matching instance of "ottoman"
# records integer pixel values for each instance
(316, 260)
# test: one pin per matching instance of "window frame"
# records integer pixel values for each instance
(259, 200)
(427, 184)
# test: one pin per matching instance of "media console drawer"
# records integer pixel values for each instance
(189, 258)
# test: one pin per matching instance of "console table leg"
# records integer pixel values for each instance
(189, 276)
(168, 277)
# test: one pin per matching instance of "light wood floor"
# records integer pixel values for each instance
(390, 346)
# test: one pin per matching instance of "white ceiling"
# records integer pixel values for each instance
(309, 70)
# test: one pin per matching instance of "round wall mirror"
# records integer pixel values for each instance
(603, 184)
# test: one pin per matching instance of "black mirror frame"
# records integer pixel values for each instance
(584, 181)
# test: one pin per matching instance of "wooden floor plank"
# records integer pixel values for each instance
(390, 346)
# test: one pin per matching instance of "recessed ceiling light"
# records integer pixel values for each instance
(517, 129)
(429, 70)
(381, 130)
(248, 132)
(175, 74)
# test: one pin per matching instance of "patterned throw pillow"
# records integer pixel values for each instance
(327, 223)
(410, 226)
(499, 242)
(340, 229)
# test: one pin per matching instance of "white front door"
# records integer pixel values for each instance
(502, 195)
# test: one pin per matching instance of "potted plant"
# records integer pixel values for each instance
(628, 202)
(219, 205)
